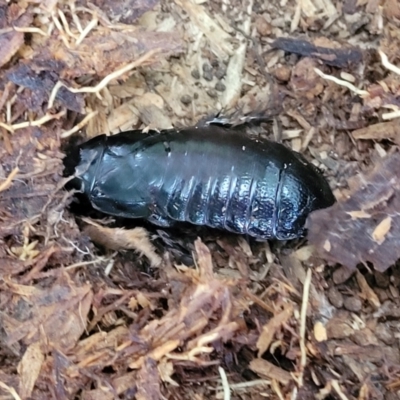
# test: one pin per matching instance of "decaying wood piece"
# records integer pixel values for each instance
(269, 370)
(380, 131)
(41, 82)
(366, 227)
(335, 57)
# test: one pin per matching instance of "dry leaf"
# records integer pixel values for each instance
(29, 369)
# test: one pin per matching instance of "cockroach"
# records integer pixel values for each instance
(201, 175)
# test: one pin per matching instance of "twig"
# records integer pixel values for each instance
(260, 302)
(86, 31)
(275, 387)
(75, 17)
(30, 29)
(391, 115)
(247, 384)
(65, 24)
(7, 183)
(6, 30)
(225, 384)
(61, 29)
(53, 94)
(109, 267)
(10, 390)
(387, 64)
(79, 126)
(348, 85)
(5, 94)
(38, 122)
(234, 71)
(296, 17)
(335, 385)
(303, 316)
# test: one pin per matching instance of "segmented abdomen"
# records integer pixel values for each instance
(237, 203)
(205, 177)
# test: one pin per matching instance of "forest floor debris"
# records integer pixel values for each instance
(93, 311)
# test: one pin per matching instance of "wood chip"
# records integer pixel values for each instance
(381, 131)
(266, 369)
(382, 229)
(367, 292)
(271, 327)
(320, 333)
(29, 369)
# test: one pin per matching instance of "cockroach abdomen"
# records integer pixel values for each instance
(204, 176)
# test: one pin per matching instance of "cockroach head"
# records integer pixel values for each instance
(81, 162)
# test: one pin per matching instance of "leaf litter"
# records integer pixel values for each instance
(93, 310)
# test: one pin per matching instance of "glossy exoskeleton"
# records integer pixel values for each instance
(204, 176)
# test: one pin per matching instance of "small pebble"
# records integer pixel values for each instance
(220, 87)
(283, 73)
(208, 76)
(195, 95)
(335, 297)
(186, 99)
(207, 67)
(352, 304)
(195, 74)
(207, 72)
(220, 72)
(212, 93)
(263, 27)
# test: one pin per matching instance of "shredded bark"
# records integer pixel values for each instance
(335, 55)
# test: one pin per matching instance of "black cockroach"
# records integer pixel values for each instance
(201, 175)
